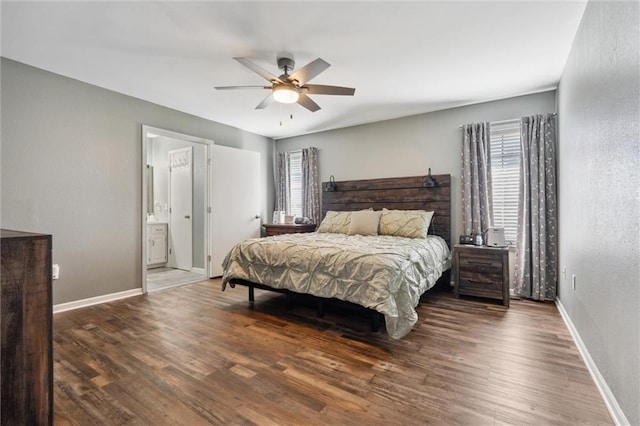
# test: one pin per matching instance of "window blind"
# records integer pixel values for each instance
(295, 181)
(505, 175)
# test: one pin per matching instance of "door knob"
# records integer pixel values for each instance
(187, 217)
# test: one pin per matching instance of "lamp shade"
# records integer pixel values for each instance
(286, 94)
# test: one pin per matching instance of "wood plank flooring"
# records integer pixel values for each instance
(163, 278)
(195, 355)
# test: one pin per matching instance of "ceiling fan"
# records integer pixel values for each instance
(290, 88)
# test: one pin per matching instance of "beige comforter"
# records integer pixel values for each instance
(384, 273)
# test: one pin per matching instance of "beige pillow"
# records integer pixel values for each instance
(364, 222)
(335, 222)
(405, 223)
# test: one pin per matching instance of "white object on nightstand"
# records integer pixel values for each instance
(495, 237)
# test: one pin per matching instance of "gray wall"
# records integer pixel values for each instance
(599, 193)
(72, 167)
(409, 146)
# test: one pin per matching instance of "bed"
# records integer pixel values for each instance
(384, 273)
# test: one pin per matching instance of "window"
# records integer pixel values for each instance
(505, 175)
(295, 181)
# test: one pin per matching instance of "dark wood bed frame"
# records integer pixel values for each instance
(400, 193)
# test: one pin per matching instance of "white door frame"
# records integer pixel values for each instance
(148, 133)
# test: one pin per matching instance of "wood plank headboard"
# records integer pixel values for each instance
(402, 193)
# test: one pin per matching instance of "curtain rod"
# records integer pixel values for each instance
(504, 121)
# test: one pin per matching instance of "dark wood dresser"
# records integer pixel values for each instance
(26, 360)
(288, 228)
(481, 271)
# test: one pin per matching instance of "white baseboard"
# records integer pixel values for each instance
(200, 271)
(76, 304)
(609, 400)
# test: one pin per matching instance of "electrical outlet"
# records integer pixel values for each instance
(573, 281)
(55, 273)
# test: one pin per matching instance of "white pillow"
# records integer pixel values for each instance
(405, 223)
(364, 222)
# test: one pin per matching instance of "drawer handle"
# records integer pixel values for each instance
(481, 282)
(476, 262)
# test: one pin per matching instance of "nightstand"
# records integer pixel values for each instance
(481, 271)
(288, 228)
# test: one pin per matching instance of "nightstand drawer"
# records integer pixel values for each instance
(279, 229)
(481, 263)
(482, 286)
(481, 276)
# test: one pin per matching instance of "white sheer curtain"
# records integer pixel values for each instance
(536, 273)
(476, 179)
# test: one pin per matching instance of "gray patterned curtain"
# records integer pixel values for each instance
(310, 185)
(536, 272)
(282, 181)
(477, 209)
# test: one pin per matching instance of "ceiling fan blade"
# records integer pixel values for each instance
(320, 89)
(265, 102)
(258, 70)
(240, 87)
(308, 103)
(309, 71)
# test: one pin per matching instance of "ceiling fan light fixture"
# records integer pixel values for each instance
(288, 88)
(286, 93)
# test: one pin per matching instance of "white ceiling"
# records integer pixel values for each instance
(403, 58)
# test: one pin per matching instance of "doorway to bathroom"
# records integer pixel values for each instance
(175, 200)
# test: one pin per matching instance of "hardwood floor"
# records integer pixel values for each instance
(164, 278)
(196, 355)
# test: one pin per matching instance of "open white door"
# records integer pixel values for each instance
(235, 201)
(181, 208)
